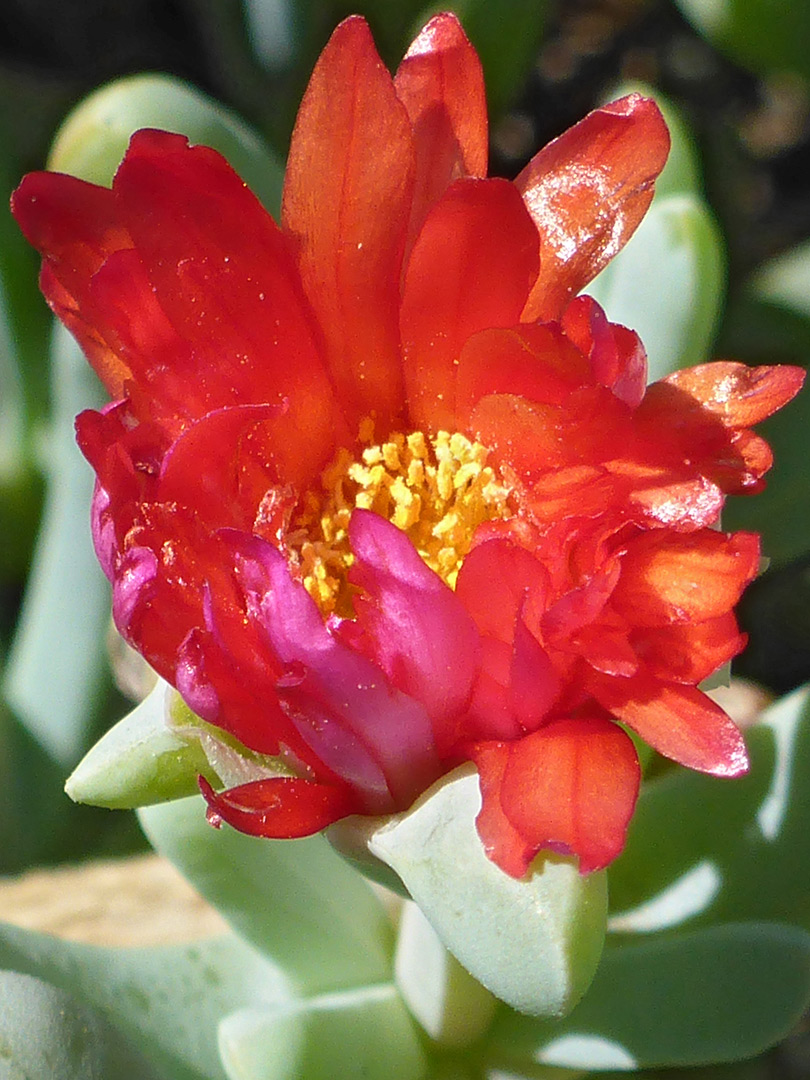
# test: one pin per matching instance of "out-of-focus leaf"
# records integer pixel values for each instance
(759, 34)
(358, 1034)
(166, 1001)
(295, 900)
(44, 1032)
(703, 850)
(533, 943)
(139, 761)
(717, 994)
(506, 36)
(452, 1006)
(786, 280)
(56, 661)
(92, 141)
(667, 284)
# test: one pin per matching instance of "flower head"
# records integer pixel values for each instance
(379, 492)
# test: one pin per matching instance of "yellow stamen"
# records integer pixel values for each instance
(437, 489)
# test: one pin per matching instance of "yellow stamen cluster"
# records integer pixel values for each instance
(436, 489)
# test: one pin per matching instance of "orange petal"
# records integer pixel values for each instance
(680, 722)
(689, 652)
(741, 396)
(684, 577)
(347, 201)
(587, 192)
(570, 786)
(441, 85)
(471, 268)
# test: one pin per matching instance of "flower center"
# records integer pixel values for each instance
(437, 489)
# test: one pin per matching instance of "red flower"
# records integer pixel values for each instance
(379, 492)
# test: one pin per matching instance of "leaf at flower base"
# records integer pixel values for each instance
(294, 900)
(53, 675)
(534, 943)
(702, 850)
(166, 1001)
(717, 994)
(667, 283)
(359, 1034)
(44, 1032)
(92, 140)
(139, 761)
(452, 1006)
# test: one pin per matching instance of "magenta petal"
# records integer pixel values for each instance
(375, 737)
(137, 569)
(416, 627)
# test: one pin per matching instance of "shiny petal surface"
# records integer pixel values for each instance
(347, 200)
(471, 268)
(280, 808)
(680, 722)
(740, 396)
(587, 191)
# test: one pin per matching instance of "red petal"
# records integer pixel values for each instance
(347, 200)
(502, 842)
(75, 226)
(618, 359)
(684, 577)
(535, 362)
(441, 85)
(571, 786)
(741, 396)
(680, 722)
(471, 268)
(223, 273)
(587, 192)
(280, 808)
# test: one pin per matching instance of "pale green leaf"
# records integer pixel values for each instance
(139, 761)
(295, 900)
(718, 994)
(166, 1001)
(701, 849)
(362, 1034)
(667, 283)
(533, 943)
(91, 142)
(46, 1033)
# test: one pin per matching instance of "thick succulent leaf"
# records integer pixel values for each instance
(92, 140)
(295, 900)
(139, 761)
(359, 1034)
(718, 994)
(44, 1032)
(166, 1001)
(56, 662)
(452, 1006)
(674, 310)
(534, 943)
(702, 850)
